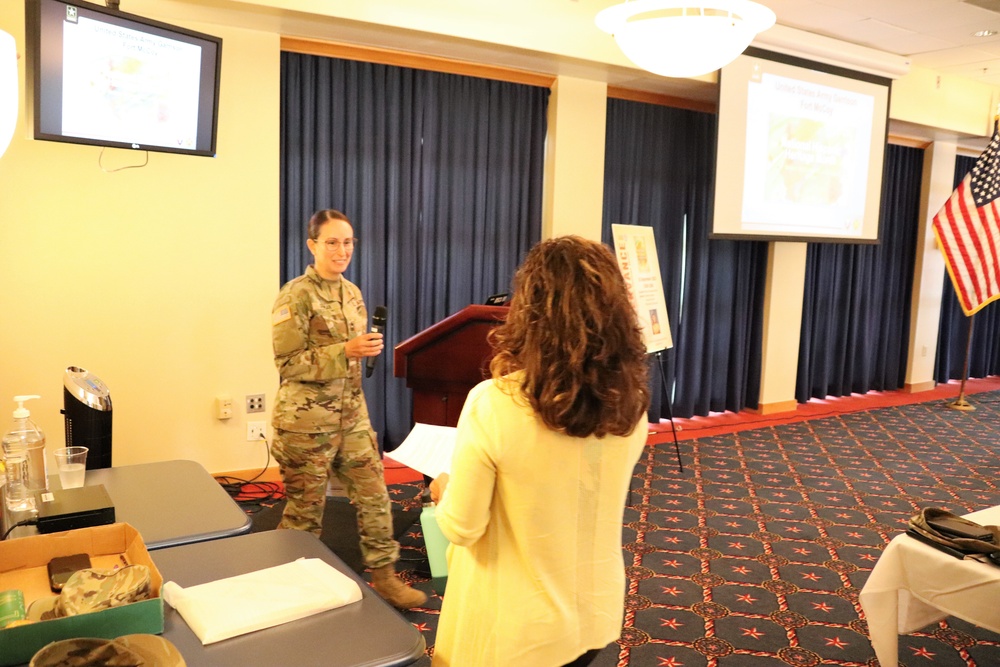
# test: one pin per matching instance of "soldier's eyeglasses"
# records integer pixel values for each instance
(336, 244)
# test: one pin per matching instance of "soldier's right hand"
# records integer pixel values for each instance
(365, 345)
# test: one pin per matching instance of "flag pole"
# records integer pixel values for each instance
(960, 403)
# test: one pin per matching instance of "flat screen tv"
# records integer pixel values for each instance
(800, 151)
(103, 77)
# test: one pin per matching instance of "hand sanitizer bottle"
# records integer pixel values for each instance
(24, 460)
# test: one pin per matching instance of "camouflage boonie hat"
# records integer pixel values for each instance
(93, 590)
(127, 651)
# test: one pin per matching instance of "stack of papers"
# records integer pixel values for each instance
(427, 449)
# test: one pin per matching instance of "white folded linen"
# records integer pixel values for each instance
(237, 605)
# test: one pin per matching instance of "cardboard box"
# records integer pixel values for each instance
(23, 566)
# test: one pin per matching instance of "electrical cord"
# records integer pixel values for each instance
(26, 522)
(253, 496)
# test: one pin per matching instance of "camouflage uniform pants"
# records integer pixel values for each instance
(306, 460)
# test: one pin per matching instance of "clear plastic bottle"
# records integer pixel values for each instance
(24, 460)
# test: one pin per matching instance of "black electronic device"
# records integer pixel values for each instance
(87, 409)
(378, 326)
(950, 526)
(100, 76)
(497, 299)
(61, 567)
(69, 509)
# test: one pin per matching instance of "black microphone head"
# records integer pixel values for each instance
(379, 316)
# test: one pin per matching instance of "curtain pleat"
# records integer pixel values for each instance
(856, 306)
(441, 176)
(984, 355)
(659, 165)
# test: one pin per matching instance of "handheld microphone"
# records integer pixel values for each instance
(378, 326)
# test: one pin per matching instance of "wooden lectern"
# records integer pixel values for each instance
(444, 362)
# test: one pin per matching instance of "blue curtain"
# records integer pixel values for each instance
(953, 332)
(856, 306)
(658, 172)
(441, 176)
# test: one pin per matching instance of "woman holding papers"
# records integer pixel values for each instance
(543, 457)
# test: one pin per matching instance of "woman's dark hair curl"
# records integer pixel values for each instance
(573, 332)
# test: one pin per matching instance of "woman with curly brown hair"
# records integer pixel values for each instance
(544, 453)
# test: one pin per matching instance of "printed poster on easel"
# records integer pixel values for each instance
(636, 253)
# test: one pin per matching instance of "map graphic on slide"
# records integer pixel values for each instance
(806, 157)
(135, 88)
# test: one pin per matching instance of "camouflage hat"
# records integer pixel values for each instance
(42, 609)
(92, 590)
(127, 651)
(155, 651)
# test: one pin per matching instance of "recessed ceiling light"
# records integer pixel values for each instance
(984, 33)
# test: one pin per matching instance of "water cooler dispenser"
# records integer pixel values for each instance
(87, 409)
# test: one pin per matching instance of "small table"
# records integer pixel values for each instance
(369, 632)
(913, 585)
(168, 502)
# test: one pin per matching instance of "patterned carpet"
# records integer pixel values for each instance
(755, 555)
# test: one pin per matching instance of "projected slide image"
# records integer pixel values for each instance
(799, 152)
(136, 88)
(806, 158)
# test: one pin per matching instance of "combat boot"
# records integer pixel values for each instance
(394, 590)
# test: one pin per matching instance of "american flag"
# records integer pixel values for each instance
(968, 231)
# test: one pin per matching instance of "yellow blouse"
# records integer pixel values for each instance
(535, 569)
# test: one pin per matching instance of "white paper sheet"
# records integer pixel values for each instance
(237, 605)
(427, 449)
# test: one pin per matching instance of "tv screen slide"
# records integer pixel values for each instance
(799, 151)
(109, 78)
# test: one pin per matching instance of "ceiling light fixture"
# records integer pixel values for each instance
(8, 89)
(682, 39)
(984, 33)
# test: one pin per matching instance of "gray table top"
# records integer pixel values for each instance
(368, 633)
(168, 502)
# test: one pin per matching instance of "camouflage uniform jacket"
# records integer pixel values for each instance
(320, 390)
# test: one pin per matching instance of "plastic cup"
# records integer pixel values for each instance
(72, 465)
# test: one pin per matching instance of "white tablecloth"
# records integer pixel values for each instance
(914, 585)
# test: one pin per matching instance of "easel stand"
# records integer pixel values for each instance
(670, 408)
(960, 403)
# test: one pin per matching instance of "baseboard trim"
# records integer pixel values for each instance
(772, 408)
(917, 387)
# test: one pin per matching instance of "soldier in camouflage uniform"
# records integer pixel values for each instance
(320, 417)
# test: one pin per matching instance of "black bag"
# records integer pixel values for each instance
(955, 535)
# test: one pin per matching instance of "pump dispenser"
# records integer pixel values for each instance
(24, 459)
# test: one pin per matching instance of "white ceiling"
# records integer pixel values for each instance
(936, 34)
(560, 37)
(549, 35)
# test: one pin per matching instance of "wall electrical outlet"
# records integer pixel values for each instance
(255, 403)
(256, 431)
(223, 407)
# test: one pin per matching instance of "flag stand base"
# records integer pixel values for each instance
(961, 404)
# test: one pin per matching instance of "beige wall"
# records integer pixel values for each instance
(574, 159)
(158, 279)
